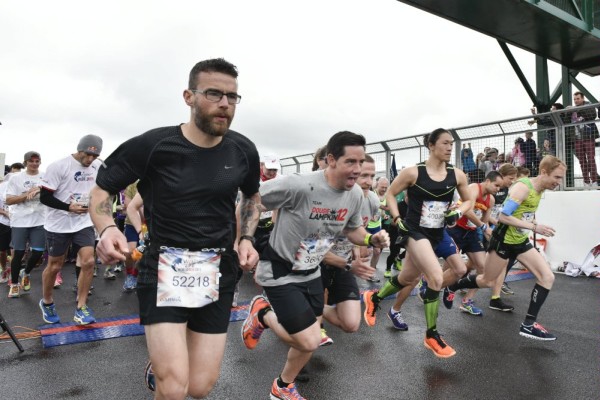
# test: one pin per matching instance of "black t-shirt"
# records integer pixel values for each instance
(189, 192)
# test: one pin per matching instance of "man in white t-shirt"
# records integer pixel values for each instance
(26, 221)
(65, 190)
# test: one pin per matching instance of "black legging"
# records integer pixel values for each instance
(15, 265)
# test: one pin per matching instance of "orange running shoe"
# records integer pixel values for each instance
(439, 346)
(371, 307)
(287, 393)
(252, 328)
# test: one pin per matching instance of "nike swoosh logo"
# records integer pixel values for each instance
(228, 167)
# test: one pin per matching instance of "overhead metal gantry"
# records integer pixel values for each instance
(564, 31)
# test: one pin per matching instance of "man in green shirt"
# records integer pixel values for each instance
(510, 239)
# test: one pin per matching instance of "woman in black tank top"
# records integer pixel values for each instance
(430, 187)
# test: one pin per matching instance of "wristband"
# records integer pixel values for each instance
(368, 239)
(395, 218)
(247, 237)
(105, 228)
(484, 227)
(348, 267)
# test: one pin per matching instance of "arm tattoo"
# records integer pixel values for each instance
(249, 212)
(105, 206)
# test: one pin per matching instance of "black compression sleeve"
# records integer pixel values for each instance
(47, 198)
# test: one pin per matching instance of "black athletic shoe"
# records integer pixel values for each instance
(498, 304)
(448, 298)
(536, 331)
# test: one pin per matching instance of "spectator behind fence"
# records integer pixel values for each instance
(546, 150)
(544, 123)
(528, 148)
(585, 140)
(501, 160)
(551, 134)
(466, 159)
(518, 157)
(477, 175)
(489, 163)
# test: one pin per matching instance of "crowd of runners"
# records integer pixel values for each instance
(185, 210)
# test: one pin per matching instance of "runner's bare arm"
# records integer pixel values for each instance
(134, 212)
(249, 213)
(474, 191)
(468, 197)
(361, 237)
(406, 178)
(517, 194)
(112, 243)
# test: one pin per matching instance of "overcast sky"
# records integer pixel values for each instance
(307, 70)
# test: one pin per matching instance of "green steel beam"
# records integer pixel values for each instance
(567, 96)
(517, 69)
(567, 93)
(588, 13)
(583, 90)
(556, 93)
(583, 24)
(542, 84)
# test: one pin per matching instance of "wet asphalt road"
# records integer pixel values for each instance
(492, 361)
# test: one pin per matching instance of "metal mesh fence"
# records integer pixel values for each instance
(569, 134)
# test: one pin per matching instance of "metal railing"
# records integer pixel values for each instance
(500, 135)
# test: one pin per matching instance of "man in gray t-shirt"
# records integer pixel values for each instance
(313, 210)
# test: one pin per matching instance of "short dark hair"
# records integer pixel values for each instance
(493, 175)
(17, 165)
(338, 142)
(432, 138)
(579, 94)
(559, 106)
(212, 65)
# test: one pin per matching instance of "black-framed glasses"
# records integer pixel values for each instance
(215, 96)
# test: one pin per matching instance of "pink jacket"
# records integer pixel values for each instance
(518, 156)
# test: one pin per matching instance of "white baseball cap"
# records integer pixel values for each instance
(271, 161)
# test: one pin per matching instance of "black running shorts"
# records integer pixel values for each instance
(507, 251)
(297, 305)
(341, 284)
(212, 318)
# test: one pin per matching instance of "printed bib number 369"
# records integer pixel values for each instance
(310, 253)
(187, 279)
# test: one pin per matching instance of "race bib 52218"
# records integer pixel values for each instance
(186, 278)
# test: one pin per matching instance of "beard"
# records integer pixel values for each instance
(205, 124)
